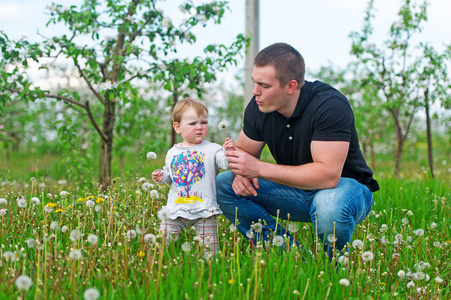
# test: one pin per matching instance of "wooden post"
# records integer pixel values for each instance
(252, 30)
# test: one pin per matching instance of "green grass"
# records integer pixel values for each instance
(122, 268)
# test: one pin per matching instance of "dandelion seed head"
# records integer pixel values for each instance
(64, 229)
(399, 238)
(22, 203)
(23, 282)
(343, 260)
(75, 254)
(198, 239)
(154, 194)
(140, 230)
(438, 280)
(250, 234)
(418, 276)
(9, 256)
(131, 234)
(92, 239)
(150, 238)
(3, 212)
(35, 200)
(186, 246)
(90, 203)
(232, 228)
(293, 227)
(91, 294)
(147, 186)
(54, 225)
(411, 284)
(257, 227)
(151, 155)
(3, 201)
(75, 235)
(367, 256)
(163, 214)
(64, 193)
(357, 244)
(278, 240)
(331, 238)
(30, 242)
(401, 273)
(344, 282)
(223, 125)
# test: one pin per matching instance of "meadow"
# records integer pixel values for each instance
(62, 240)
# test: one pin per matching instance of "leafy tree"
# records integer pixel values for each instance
(116, 47)
(393, 69)
(436, 88)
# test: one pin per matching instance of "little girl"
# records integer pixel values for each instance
(190, 169)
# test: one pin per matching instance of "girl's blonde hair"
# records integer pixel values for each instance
(186, 103)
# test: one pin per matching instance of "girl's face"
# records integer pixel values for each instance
(192, 127)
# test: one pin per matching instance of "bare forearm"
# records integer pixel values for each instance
(310, 176)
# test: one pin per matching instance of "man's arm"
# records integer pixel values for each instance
(252, 149)
(324, 172)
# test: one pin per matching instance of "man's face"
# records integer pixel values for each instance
(269, 95)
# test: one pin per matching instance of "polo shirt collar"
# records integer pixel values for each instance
(304, 99)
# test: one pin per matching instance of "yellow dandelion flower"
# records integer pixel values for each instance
(80, 199)
(90, 197)
(141, 254)
(99, 200)
(59, 210)
(50, 204)
(232, 281)
(69, 187)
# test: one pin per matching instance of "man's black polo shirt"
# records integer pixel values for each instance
(322, 114)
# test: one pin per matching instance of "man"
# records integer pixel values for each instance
(320, 175)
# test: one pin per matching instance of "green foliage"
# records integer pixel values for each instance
(116, 49)
(404, 76)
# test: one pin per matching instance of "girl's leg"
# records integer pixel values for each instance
(206, 230)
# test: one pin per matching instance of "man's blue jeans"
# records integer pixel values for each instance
(336, 210)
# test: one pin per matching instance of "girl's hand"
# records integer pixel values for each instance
(229, 145)
(157, 175)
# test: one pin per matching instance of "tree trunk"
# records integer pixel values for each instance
(174, 102)
(428, 132)
(372, 155)
(106, 145)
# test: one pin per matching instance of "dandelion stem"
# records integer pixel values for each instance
(306, 287)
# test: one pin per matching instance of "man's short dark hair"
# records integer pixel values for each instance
(287, 62)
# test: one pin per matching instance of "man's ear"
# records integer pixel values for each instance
(176, 127)
(292, 86)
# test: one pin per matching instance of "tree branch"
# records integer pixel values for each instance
(93, 121)
(90, 85)
(45, 95)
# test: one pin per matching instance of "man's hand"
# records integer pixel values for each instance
(245, 186)
(243, 164)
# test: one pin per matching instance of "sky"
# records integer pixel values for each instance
(318, 29)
